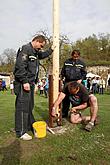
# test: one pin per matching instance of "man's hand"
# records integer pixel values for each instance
(79, 81)
(73, 110)
(53, 47)
(26, 86)
(53, 111)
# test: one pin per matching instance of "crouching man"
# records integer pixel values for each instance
(80, 99)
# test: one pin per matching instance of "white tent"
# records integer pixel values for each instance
(96, 75)
(91, 75)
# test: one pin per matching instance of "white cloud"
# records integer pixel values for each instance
(19, 20)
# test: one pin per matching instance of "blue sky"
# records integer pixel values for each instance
(21, 19)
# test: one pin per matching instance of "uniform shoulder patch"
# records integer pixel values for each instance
(24, 56)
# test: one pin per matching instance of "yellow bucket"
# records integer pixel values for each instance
(40, 128)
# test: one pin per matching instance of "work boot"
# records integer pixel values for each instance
(89, 126)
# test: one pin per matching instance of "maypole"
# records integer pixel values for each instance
(54, 85)
(56, 51)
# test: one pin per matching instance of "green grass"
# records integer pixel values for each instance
(74, 147)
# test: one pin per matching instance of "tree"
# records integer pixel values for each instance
(64, 49)
(95, 49)
(10, 55)
(7, 60)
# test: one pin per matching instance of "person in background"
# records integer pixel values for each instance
(41, 87)
(26, 72)
(101, 85)
(74, 69)
(97, 86)
(46, 87)
(84, 82)
(0, 84)
(88, 83)
(12, 87)
(4, 85)
(94, 85)
(80, 99)
(36, 88)
(109, 82)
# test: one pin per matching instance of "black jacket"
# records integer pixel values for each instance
(27, 63)
(73, 70)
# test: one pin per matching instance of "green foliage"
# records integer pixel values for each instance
(95, 50)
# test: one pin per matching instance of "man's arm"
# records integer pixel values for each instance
(59, 99)
(83, 71)
(79, 107)
(20, 71)
(44, 54)
(62, 74)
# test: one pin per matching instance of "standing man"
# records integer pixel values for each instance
(74, 69)
(26, 73)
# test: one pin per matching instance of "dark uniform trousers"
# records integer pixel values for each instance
(23, 114)
(65, 106)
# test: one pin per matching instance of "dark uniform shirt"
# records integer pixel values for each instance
(27, 63)
(73, 70)
(77, 99)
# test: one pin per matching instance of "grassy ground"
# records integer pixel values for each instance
(74, 147)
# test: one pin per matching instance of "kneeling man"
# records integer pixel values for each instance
(80, 99)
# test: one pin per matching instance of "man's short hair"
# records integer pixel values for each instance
(73, 85)
(75, 51)
(40, 38)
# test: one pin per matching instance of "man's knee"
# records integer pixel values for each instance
(73, 121)
(75, 118)
(92, 99)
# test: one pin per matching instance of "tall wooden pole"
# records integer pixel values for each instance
(54, 76)
(56, 51)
